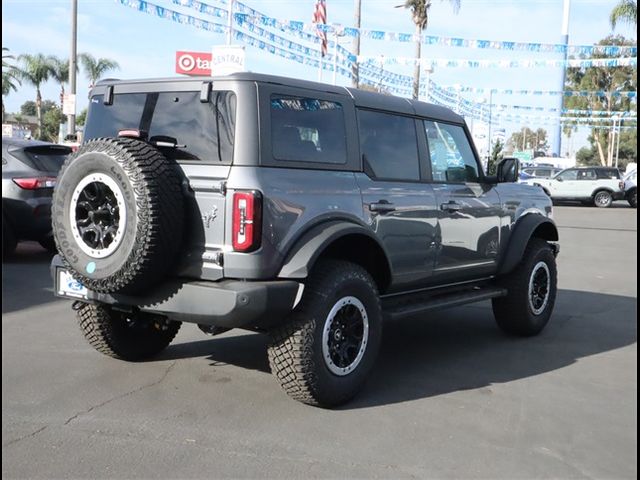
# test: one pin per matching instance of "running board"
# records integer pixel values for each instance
(400, 308)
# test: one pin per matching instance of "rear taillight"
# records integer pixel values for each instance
(621, 185)
(247, 221)
(34, 183)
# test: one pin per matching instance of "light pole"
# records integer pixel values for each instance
(557, 141)
(338, 32)
(428, 72)
(72, 65)
(230, 23)
(618, 140)
(355, 81)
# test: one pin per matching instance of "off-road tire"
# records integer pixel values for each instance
(9, 241)
(114, 334)
(602, 199)
(295, 350)
(150, 187)
(632, 198)
(513, 313)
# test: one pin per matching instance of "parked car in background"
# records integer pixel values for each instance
(29, 171)
(630, 188)
(598, 186)
(541, 171)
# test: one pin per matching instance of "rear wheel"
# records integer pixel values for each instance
(532, 289)
(602, 199)
(323, 355)
(126, 336)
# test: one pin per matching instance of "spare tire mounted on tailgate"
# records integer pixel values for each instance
(118, 214)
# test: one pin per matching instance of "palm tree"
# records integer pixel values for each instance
(60, 73)
(36, 69)
(8, 84)
(5, 55)
(95, 68)
(625, 10)
(420, 15)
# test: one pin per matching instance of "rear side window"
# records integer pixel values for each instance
(607, 173)
(389, 146)
(203, 131)
(308, 130)
(586, 175)
(452, 159)
(43, 158)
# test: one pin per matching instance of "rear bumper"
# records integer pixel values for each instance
(226, 303)
(620, 195)
(30, 219)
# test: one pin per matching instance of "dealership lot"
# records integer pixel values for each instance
(450, 395)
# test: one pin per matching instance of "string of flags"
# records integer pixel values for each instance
(295, 26)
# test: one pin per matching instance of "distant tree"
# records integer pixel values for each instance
(609, 80)
(586, 156)
(28, 108)
(60, 73)
(420, 16)
(94, 68)
(8, 85)
(625, 11)
(495, 157)
(527, 139)
(81, 119)
(10, 77)
(51, 124)
(36, 70)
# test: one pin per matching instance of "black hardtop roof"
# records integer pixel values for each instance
(362, 98)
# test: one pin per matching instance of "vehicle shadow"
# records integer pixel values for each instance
(459, 349)
(26, 281)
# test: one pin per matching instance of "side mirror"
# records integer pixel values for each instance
(559, 179)
(508, 170)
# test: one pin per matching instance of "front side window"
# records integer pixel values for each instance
(452, 159)
(567, 175)
(308, 130)
(389, 146)
(202, 131)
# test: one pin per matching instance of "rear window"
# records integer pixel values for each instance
(308, 130)
(43, 158)
(203, 131)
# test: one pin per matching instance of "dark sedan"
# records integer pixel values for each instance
(29, 171)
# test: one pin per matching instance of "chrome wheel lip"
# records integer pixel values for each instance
(531, 291)
(603, 198)
(111, 184)
(326, 354)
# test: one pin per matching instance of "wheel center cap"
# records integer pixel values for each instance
(337, 334)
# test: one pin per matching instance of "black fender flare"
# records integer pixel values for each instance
(308, 248)
(527, 226)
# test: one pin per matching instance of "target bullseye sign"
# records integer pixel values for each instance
(193, 63)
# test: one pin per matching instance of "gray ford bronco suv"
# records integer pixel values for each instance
(306, 211)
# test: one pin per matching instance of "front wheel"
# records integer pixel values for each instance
(602, 199)
(126, 336)
(532, 289)
(324, 353)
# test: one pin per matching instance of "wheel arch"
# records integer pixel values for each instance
(338, 240)
(528, 227)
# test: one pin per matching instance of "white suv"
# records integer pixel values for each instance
(598, 186)
(630, 188)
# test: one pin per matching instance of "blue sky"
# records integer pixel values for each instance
(145, 46)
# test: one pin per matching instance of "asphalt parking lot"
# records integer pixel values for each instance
(450, 396)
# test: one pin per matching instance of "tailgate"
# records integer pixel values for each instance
(204, 222)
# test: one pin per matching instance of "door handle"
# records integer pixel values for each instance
(382, 206)
(451, 206)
